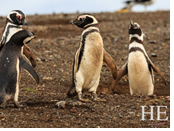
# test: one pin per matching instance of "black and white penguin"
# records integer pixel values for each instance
(131, 3)
(15, 20)
(139, 67)
(89, 58)
(11, 61)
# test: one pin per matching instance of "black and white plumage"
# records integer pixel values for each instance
(11, 62)
(15, 20)
(131, 3)
(139, 67)
(89, 58)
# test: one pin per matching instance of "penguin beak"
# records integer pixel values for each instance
(75, 22)
(25, 23)
(131, 23)
(33, 35)
(71, 22)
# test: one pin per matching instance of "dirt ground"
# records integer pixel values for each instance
(55, 47)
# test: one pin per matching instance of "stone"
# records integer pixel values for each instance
(152, 41)
(154, 55)
(61, 104)
(48, 78)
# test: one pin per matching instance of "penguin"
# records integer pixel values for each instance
(11, 62)
(15, 20)
(131, 3)
(139, 67)
(89, 59)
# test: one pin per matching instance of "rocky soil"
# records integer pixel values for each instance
(55, 47)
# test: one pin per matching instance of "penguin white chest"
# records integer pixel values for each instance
(91, 61)
(140, 78)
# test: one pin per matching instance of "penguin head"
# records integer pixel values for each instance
(23, 37)
(134, 28)
(16, 17)
(84, 21)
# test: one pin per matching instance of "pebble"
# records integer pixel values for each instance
(69, 116)
(77, 103)
(152, 41)
(2, 115)
(154, 55)
(132, 113)
(168, 97)
(73, 110)
(123, 58)
(47, 51)
(48, 78)
(61, 104)
(56, 112)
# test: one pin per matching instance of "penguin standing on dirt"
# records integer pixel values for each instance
(139, 67)
(14, 22)
(11, 61)
(89, 58)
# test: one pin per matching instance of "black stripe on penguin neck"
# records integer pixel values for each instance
(134, 49)
(83, 45)
(135, 31)
(93, 25)
(136, 40)
(7, 32)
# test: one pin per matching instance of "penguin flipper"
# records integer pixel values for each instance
(122, 72)
(1, 44)
(110, 64)
(157, 70)
(29, 54)
(29, 68)
(72, 91)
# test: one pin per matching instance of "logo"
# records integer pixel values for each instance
(157, 108)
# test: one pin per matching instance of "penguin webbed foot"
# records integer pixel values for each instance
(72, 92)
(19, 105)
(81, 98)
(95, 98)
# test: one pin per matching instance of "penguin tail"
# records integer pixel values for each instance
(72, 91)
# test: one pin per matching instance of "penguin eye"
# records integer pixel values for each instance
(81, 19)
(19, 16)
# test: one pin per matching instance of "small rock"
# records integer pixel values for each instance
(77, 103)
(132, 113)
(48, 78)
(47, 51)
(38, 59)
(152, 41)
(69, 116)
(43, 60)
(123, 58)
(56, 112)
(154, 55)
(73, 110)
(168, 97)
(61, 104)
(2, 115)
(118, 106)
